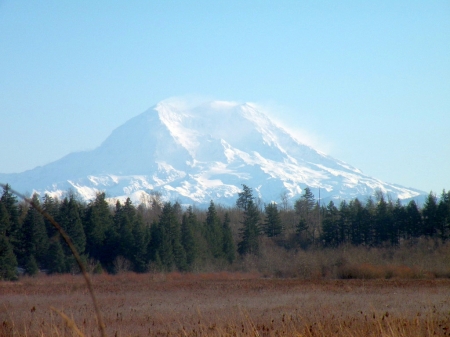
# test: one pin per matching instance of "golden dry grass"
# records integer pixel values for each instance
(226, 304)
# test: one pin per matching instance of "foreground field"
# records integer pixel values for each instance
(226, 305)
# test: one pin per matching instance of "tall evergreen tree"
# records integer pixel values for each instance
(188, 239)
(244, 198)
(272, 225)
(400, 219)
(213, 231)
(34, 240)
(250, 230)
(51, 206)
(344, 222)
(69, 218)
(8, 261)
(330, 229)
(414, 222)
(56, 260)
(307, 208)
(430, 215)
(168, 240)
(355, 225)
(228, 245)
(98, 221)
(141, 235)
(383, 222)
(14, 230)
(443, 216)
(123, 223)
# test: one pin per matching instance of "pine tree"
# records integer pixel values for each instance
(167, 238)
(70, 220)
(56, 258)
(188, 241)
(443, 216)
(330, 233)
(272, 226)
(228, 245)
(31, 266)
(307, 208)
(430, 215)
(8, 261)
(414, 222)
(123, 222)
(34, 240)
(244, 198)
(384, 227)
(213, 232)
(250, 230)
(51, 207)
(343, 223)
(97, 222)
(14, 230)
(141, 237)
(302, 226)
(400, 219)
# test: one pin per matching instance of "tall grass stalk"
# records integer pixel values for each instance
(101, 324)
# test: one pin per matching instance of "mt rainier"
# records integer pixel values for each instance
(199, 154)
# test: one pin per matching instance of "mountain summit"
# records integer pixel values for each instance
(202, 153)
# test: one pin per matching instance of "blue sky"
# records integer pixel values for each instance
(366, 82)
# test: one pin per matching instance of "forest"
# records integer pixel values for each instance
(164, 236)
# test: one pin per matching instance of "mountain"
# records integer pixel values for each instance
(199, 154)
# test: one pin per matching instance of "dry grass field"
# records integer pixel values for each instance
(226, 304)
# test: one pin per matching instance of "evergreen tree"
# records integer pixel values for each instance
(8, 262)
(14, 230)
(400, 219)
(414, 222)
(4, 220)
(301, 230)
(343, 223)
(250, 230)
(98, 222)
(167, 239)
(123, 223)
(34, 236)
(56, 258)
(229, 247)
(141, 238)
(383, 222)
(330, 229)
(430, 215)
(31, 266)
(307, 208)
(70, 220)
(443, 216)
(155, 244)
(305, 204)
(188, 225)
(272, 226)
(51, 207)
(357, 224)
(244, 198)
(213, 231)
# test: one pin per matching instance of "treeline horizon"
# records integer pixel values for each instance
(162, 236)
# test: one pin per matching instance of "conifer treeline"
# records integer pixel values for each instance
(163, 236)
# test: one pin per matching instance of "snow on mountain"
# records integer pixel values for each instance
(199, 154)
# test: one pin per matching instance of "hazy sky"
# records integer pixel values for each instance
(367, 82)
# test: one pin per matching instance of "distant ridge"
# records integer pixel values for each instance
(199, 154)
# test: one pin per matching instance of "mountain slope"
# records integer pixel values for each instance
(200, 154)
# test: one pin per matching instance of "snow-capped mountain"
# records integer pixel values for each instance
(199, 154)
